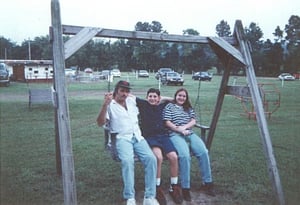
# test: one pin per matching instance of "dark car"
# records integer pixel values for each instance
(172, 78)
(4, 75)
(203, 76)
(160, 73)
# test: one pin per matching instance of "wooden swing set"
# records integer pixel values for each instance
(232, 51)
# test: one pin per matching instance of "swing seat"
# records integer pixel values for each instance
(41, 96)
(203, 130)
(110, 141)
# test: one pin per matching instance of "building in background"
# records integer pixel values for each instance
(30, 70)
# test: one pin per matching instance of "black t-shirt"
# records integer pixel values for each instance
(151, 117)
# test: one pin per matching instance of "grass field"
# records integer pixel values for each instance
(28, 167)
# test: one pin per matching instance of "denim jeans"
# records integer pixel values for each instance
(126, 150)
(184, 145)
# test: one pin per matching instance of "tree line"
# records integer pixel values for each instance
(269, 57)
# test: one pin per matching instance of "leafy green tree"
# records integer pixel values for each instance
(268, 58)
(123, 53)
(272, 58)
(292, 29)
(41, 48)
(195, 57)
(190, 31)
(278, 33)
(253, 35)
(154, 26)
(8, 49)
(223, 29)
(143, 26)
(147, 53)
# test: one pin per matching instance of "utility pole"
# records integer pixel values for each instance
(29, 49)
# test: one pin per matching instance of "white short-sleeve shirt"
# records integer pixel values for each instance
(124, 122)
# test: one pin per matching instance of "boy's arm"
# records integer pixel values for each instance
(132, 96)
(164, 99)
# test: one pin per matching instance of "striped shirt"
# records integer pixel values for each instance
(177, 115)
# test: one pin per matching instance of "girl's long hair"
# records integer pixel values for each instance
(187, 104)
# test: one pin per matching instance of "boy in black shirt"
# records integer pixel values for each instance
(154, 131)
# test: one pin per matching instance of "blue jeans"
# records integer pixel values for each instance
(126, 150)
(184, 145)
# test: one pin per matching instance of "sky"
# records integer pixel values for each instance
(26, 19)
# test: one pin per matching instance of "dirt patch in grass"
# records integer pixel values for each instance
(197, 199)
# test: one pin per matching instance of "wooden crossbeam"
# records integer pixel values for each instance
(224, 48)
(139, 35)
(80, 39)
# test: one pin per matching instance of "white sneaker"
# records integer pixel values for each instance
(131, 202)
(150, 201)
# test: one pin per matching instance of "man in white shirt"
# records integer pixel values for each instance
(122, 113)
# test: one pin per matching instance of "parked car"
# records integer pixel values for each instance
(70, 72)
(203, 76)
(172, 78)
(4, 75)
(143, 74)
(88, 70)
(160, 73)
(286, 76)
(116, 72)
(104, 74)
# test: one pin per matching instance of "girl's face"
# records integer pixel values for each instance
(180, 98)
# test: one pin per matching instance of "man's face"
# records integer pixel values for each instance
(153, 98)
(122, 94)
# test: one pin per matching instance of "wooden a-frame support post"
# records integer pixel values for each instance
(62, 108)
(257, 101)
(61, 51)
(261, 118)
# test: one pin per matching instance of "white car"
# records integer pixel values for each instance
(116, 72)
(143, 74)
(286, 76)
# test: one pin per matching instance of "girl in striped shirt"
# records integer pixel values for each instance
(179, 117)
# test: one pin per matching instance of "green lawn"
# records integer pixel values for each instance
(28, 166)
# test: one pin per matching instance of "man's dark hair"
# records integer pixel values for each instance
(153, 90)
(121, 84)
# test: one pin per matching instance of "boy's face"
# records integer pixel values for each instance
(153, 98)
